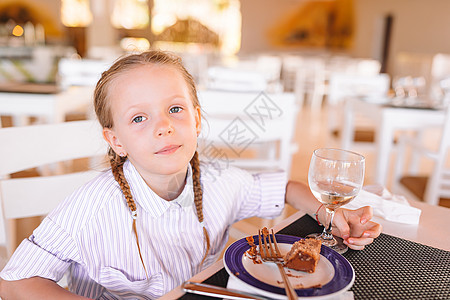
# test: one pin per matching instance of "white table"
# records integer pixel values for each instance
(52, 107)
(431, 231)
(389, 120)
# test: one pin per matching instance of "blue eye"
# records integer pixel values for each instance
(175, 109)
(139, 119)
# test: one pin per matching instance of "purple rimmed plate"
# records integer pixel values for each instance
(333, 274)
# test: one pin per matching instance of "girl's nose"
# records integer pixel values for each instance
(164, 127)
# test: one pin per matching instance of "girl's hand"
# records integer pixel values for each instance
(355, 227)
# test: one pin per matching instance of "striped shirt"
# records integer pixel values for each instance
(90, 234)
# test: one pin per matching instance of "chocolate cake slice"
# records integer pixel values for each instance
(304, 255)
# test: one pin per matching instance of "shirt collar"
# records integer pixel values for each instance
(150, 202)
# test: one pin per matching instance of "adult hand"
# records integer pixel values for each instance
(356, 227)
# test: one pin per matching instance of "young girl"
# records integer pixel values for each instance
(158, 216)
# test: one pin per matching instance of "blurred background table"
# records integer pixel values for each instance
(389, 119)
(50, 106)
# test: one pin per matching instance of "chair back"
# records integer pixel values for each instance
(344, 86)
(249, 130)
(81, 72)
(270, 65)
(290, 66)
(310, 81)
(197, 65)
(438, 185)
(367, 67)
(440, 71)
(48, 148)
(429, 187)
(236, 79)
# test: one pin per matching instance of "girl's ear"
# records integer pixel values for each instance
(113, 141)
(198, 120)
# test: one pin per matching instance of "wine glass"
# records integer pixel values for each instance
(335, 177)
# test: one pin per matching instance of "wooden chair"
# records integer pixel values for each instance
(48, 148)
(432, 188)
(250, 130)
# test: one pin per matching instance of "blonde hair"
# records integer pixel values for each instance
(104, 115)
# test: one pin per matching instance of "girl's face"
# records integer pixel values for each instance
(155, 121)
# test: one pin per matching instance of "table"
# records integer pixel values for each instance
(389, 119)
(430, 232)
(53, 107)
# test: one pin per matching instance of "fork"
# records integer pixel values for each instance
(270, 252)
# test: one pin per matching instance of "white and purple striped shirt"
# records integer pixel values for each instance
(90, 233)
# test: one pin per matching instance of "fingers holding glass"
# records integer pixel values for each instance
(335, 177)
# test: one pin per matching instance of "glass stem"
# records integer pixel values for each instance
(326, 234)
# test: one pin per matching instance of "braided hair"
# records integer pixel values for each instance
(104, 115)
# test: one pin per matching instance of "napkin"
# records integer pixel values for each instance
(235, 284)
(390, 207)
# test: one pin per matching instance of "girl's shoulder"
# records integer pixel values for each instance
(83, 204)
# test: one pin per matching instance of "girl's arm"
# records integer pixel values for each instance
(354, 226)
(299, 196)
(34, 288)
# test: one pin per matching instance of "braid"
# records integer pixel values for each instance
(198, 198)
(117, 170)
(198, 193)
(117, 162)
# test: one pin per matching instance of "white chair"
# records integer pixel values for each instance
(310, 81)
(367, 67)
(432, 188)
(254, 74)
(343, 86)
(271, 65)
(290, 65)
(105, 52)
(81, 72)
(197, 66)
(341, 64)
(306, 77)
(43, 145)
(440, 70)
(249, 130)
(236, 79)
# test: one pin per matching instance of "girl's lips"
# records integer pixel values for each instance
(168, 149)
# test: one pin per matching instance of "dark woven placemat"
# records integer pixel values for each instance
(389, 268)
(220, 278)
(394, 268)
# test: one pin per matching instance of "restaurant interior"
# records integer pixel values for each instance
(368, 76)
